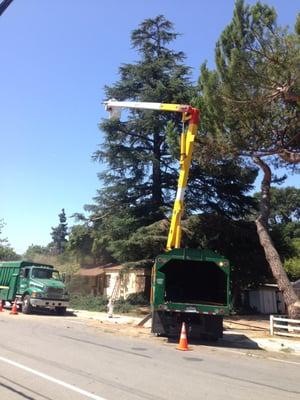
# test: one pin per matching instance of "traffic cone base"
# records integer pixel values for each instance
(14, 310)
(183, 343)
(1, 306)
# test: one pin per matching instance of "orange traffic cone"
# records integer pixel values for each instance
(14, 310)
(183, 343)
(1, 306)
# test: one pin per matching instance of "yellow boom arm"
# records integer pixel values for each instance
(187, 139)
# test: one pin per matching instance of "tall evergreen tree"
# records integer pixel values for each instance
(59, 233)
(136, 150)
(142, 152)
(251, 107)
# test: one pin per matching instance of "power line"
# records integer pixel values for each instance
(3, 5)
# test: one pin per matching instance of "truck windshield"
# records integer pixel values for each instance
(42, 273)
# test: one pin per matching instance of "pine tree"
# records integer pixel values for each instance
(251, 108)
(142, 154)
(140, 165)
(59, 234)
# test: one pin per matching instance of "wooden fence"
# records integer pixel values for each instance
(281, 325)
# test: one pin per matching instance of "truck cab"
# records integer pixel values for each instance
(33, 286)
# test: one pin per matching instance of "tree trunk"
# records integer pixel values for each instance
(289, 156)
(290, 298)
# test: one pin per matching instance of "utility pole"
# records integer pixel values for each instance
(3, 5)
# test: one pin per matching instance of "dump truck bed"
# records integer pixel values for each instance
(9, 277)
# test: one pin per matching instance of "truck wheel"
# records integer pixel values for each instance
(26, 306)
(60, 310)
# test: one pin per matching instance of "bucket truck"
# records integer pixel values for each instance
(187, 285)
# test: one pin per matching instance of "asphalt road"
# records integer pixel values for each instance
(44, 357)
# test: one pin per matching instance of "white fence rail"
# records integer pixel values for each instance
(281, 325)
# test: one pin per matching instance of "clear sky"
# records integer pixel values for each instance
(56, 57)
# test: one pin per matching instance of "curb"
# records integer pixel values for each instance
(278, 344)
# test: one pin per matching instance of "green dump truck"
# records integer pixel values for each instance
(191, 286)
(33, 286)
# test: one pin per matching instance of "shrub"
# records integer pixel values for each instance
(139, 299)
(122, 306)
(88, 302)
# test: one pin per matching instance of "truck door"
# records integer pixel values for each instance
(24, 279)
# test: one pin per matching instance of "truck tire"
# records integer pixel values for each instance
(60, 310)
(26, 306)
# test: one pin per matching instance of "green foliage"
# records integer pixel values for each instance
(88, 302)
(291, 229)
(221, 187)
(142, 153)
(122, 306)
(251, 102)
(80, 243)
(285, 227)
(35, 251)
(145, 243)
(6, 252)
(284, 205)
(251, 105)
(136, 150)
(292, 265)
(59, 234)
(140, 176)
(236, 240)
(138, 299)
(99, 303)
(297, 25)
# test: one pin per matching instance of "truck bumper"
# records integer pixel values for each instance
(47, 303)
(199, 326)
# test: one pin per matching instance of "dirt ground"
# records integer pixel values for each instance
(252, 326)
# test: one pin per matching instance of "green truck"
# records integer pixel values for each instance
(33, 286)
(191, 286)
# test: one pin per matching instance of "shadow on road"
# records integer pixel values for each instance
(229, 340)
(51, 313)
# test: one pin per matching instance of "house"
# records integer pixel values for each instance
(111, 278)
(266, 299)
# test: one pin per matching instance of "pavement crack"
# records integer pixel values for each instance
(105, 346)
(23, 387)
(11, 389)
(257, 383)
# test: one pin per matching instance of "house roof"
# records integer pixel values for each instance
(99, 270)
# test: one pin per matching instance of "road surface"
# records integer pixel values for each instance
(45, 357)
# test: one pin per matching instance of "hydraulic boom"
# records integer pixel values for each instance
(187, 139)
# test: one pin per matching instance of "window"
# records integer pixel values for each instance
(41, 273)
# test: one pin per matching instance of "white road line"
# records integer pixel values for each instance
(51, 379)
(284, 361)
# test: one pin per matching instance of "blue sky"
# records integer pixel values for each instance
(56, 57)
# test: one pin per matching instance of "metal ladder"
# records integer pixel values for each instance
(115, 290)
(114, 296)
